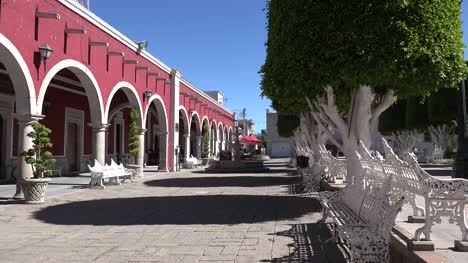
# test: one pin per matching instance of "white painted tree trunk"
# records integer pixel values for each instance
(407, 140)
(362, 117)
(310, 135)
(443, 136)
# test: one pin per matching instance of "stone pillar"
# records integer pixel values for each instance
(140, 161)
(163, 152)
(174, 113)
(187, 146)
(106, 154)
(24, 170)
(199, 147)
(99, 141)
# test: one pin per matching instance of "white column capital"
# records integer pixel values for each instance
(142, 131)
(27, 118)
(187, 135)
(97, 127)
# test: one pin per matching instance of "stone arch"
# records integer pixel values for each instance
(20, 76)
(213, 136)
(20, 106)
(88, 82)
(185, 119)
(198, 123)
(220, 136)
(133, 98)
(195, 135)
(161, 136)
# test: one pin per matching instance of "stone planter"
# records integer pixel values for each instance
(205, 161)
(35, 189)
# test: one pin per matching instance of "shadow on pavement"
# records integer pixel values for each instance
(309, 245)
(224, 181)
(179, 210)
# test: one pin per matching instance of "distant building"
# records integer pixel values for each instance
(277, 146)
(216, 95)
(247, 127)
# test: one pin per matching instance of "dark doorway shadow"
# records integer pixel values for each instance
(309, 245)
(224, 181)
(179, 210)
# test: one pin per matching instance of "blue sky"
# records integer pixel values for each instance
(217, 45)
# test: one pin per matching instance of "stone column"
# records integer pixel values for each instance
(187, 146)
(163, 152)
(106, 154)
(141, 152)
(24, 170)
(199, 146)
(99, 141)
(176, 76)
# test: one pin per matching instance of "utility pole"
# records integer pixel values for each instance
(461, 162)
(244, 127)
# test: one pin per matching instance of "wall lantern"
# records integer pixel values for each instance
(148, 93)
(45, 52)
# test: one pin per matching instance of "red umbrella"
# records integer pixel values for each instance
(249, 140)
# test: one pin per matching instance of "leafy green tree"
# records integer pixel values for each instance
(206, 141)
(411, 47)
(351, 57)
(38, 156)
(133, 139)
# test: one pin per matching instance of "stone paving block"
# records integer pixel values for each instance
(230, 250)
(186, 250)
(250, 242)
(245, 259)
(213, 251)
(218, 258)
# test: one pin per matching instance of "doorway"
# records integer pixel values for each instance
(72, 147)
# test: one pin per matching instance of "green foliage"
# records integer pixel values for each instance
(413, 47)
(442, 106)
(393, 119)
(416, 114)
(287, 124)
(206, 141)
(133, 138)
(37, 156)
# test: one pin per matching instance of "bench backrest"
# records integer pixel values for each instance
(406, 176)
(378, 210)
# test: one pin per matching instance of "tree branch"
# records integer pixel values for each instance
(387, 101)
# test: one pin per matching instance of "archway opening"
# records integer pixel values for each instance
(195, 141)
(69, 106)
(184, 145)
(156, 136)
(118, 119)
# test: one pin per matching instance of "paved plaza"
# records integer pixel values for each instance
(188, 216)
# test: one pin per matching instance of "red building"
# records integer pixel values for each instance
(85, 90)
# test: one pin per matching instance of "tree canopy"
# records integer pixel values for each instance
(412, 47)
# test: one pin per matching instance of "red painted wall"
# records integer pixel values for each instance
(18, 24)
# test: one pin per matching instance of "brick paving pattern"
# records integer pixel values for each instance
(189, 216)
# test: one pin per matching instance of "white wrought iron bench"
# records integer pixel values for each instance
(442, 197)
(114, 172)
(334, 168)
(363, 219)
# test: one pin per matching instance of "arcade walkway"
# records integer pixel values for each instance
(189, 216)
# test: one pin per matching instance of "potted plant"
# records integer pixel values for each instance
(134, 141)
(40, 159)
(206, 145)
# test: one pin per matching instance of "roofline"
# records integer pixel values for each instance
(116, 34)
